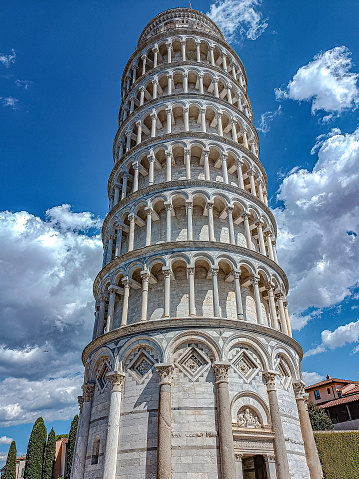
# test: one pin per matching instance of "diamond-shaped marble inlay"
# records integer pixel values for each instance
(284, 373)
(101, 376)
(193, 363)
(141, 365)
(244, 365)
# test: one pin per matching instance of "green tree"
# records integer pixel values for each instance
(71, 445)
(35, 451)
(319, 419)
(10, 466)
(60, 436)
(49, 456)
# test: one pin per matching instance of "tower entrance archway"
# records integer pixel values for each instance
(254, 467)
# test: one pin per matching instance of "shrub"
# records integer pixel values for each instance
(339, 453)
(319, 419)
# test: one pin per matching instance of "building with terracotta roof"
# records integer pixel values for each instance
(20, 467)
(340, 400)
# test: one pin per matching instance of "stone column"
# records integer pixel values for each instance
(131, 235)
(168, 207)
(155, 87)
(229, 94)
(145, 275)
(149, 212)
(275, 252)
(224, 62)
(183, 50)
(270, 467)
(135, 167)
(239, 466)
(155, 56)
(207, 175)
(279, 441)
(167, 299)
(126, 286)
(187, 159)
(186, 118)
(101, 316)
(210, 222)
(164, 452)
(269, 245)
(198, 49)
(234, 131)
(185, 82)
(117, 194)
(109, 249)
(143, 58)
(237, 288)
(283, 319)
(170, 83)
(191, 299)
(247, 231)
(142, 95)
(224, 169)
(230, 225)
(273, 310)
(257, 299)
(252, 183)
(219, 126)
(224, 417)
(124, 185)
(79, 460)
(189, 221)
(240, 174)
(168, 166)
(169, 120)
(151, 169)
(118, 242)
(216, 91)
(200, 80)
(214, 272)
(111, 309)
(286, 312)
(116, 379)
(139, 132)
(203, 120)
(153, 123)
(262, 247)
(260, 191)
(169, 52)
(310, 448)
(211, 53)
(245, 140)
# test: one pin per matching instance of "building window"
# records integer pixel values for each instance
(328, 390)
(317, 394)
(339, 394)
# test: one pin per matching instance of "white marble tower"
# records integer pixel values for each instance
(192, 372)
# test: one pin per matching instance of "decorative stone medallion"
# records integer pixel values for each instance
(193, 363)
(245, 366)
(141, 366)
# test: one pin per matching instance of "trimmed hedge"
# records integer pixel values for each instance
(338, 453)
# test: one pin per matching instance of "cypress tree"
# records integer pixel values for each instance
(49, 456)
(35, 451)
(10, 466)
(71, 445)
(319, 419)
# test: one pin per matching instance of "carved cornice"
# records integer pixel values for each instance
(176, 246)
(170, 185)
(189, 323)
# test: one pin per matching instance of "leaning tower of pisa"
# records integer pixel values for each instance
(192, 372)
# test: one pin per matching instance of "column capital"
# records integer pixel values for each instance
(111, 289)
(164, 371)
(168, 205)
(168, 154)
(135, 165)
(254, 279)
(145, 275)
(126, 282)
(189, 203)
(203, 109)
(187, 151)
(299, 390)
(142, 88)
(209, 204)
(116, 379)
(190, 269)
(131, 217)
(88, 390)
(169, 110)
(214, 271)
(269, 377)
(230, 208)
(143, 57)
(166, 270)
(155, 48)
(221, 370)
(269, 286)
(236, 274)
(238, 457)
(151, 157)
(153, 114)
(169, 43)
(148, 210)
(138, 122)
(250, 172)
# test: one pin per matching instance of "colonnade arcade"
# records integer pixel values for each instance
(178, 80)
(186, 160)
(183, 116)
(189, 215)
(182, 49)
(204, 286)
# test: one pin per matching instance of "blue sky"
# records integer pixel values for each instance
(60, 71)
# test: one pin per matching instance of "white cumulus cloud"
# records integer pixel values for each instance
(326, 81)
(345, 334)
(5, 440)
(312, 377)
(318, 225)
(10, 102)
(238, 17)
(47, 268)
